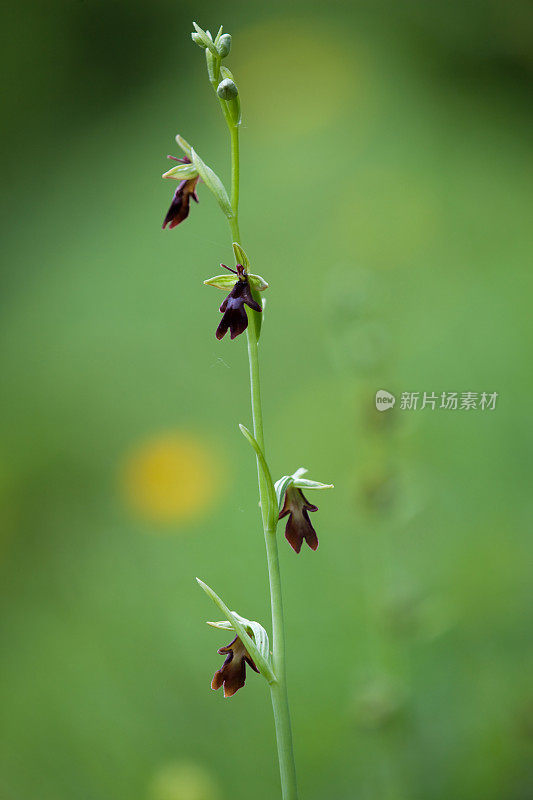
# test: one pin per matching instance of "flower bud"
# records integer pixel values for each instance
(227, 89)
(203, 39)
(197, 39)
(224, 45)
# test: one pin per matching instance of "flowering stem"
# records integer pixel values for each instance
(278, 688)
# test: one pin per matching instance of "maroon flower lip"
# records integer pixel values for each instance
(235, 317)
(232, 674)
(181, 199)
(179, 207)
(298, 528)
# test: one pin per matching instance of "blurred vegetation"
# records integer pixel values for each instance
(386, 198)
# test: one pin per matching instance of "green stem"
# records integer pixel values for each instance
(278, 689)
(235, 168)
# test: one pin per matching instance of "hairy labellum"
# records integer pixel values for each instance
(235, 318)
(179, 207)
(232, 674)
(298, 527)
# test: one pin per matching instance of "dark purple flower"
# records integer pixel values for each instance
(298, 525)
(232, 674)
(179, 207)
(235, 317)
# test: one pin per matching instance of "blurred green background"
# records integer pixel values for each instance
(386, 168)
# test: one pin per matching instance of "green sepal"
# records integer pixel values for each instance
(185, 146)
(253, 628)
(227, 282)
(257, 282)
(224, 282)
(303, 483)
(240, 256)
(181, 172)
(265, 470)
(297, 480)
(281, 487)
(262, 663)
(213, 182)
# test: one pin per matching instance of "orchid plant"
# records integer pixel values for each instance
(243, 310)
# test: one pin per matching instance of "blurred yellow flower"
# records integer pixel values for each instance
(172, 477)
(183, 780)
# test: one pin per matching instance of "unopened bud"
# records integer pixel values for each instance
(203, 39)
(224, 45)
(227, 89)
(198, 39)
